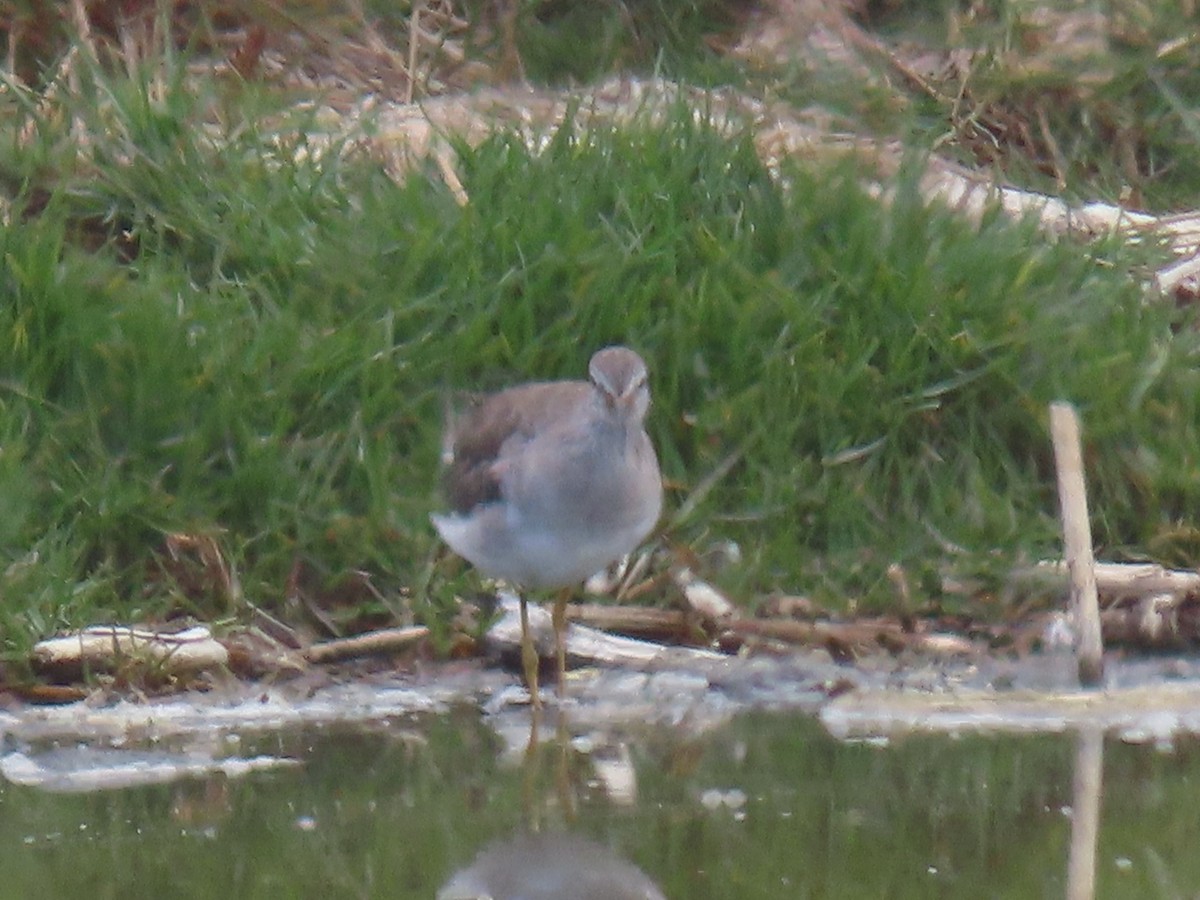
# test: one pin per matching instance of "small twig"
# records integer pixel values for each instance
(10, 57)
(634, 575)
(865, 634)
(640, 620)
(1077, 539)
(414, 40)
(1168, 278)
(129, 50)
(273, 628)
(644, 587)
(83, 30)
(866, 43)
(1056, 154)
(386, 640)
(899, 580)
(444, 157)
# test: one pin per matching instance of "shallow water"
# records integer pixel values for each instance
(768, 805)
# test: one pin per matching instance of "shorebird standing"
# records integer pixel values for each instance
(549, 482)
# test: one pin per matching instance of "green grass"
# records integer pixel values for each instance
(214, 334)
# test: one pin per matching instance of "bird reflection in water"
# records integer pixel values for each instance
(549, 866)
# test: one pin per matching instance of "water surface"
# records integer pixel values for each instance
(767, 806)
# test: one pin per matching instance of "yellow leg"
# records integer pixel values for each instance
(563, 783)
(560, 640)
(530, 808)
(529, 658)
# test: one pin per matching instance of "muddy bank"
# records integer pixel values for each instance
(619, 688)
(686, 689)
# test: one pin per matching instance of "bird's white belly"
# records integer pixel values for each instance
(558, 559)
(501, 544)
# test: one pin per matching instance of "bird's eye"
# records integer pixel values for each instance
(635, 388)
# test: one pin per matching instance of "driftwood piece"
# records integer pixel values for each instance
(702, 598)
(256, 653)
(642, 621)
(1143, 604)
(848, 639)
(1120, 579)
(584, 644)
(1077, 541)
(110, 647)
(1154, 621)
(385, 640)
(842, 639)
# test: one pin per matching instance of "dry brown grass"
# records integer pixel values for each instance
(1009, 108)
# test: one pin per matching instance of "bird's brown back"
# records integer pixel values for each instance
(478, 436)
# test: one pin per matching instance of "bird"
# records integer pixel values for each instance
(549, 482)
